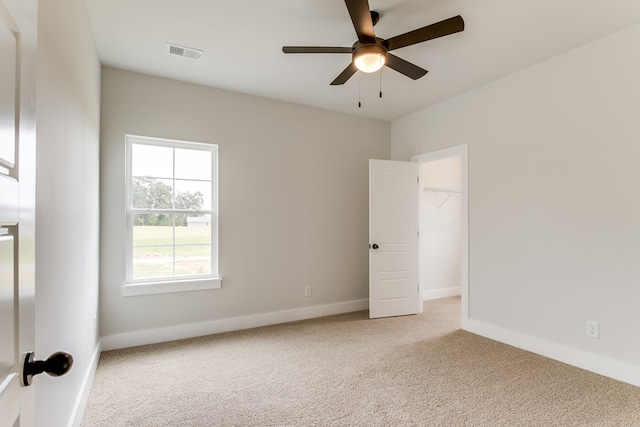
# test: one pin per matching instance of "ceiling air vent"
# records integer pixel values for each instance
(187, 52)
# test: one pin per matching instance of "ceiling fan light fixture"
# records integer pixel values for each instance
(369, 58)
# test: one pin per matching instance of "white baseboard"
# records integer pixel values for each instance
(440, 293)
(172, 333)
(83, 396)
(621, 371)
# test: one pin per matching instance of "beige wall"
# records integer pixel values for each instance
(554, 210)
(293, 186)
(67, 219)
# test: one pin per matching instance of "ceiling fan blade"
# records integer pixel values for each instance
(405, 67)
(361, 18)
(316, 49)
(345, 75)
(430, 32)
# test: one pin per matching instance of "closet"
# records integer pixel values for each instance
(440, 227)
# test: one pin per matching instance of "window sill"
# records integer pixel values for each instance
(152, 288)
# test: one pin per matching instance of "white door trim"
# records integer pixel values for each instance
(462, 151)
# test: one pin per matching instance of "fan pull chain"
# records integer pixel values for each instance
(359, 103)
(380, 82)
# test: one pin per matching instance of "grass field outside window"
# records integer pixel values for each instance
(155, 254)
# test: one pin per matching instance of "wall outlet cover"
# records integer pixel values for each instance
(593, 329)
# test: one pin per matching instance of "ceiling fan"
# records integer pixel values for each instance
(370, 53)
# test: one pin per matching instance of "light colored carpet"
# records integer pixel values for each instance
(348, 370)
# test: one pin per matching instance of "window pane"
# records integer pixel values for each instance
(193, 164)
(196, 232)
(152, 262)
(167, 177)
(193, 195)
(147, 233)
(151, 193)
(150, 160)
(193, 260)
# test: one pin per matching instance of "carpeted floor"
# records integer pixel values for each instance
(348, 370)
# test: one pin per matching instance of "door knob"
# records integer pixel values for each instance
(375, 246)
(56, 365)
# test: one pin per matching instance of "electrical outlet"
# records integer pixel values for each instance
(593, 329)
(307, 291)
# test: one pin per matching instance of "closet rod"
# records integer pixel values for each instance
(442, 190)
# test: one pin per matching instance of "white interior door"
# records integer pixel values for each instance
(17, 200)
(393, 238)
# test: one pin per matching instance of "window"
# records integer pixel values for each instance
(171, 216)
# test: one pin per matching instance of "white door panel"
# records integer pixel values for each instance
(9, 215)
(8, 51)
(17, 201)
(394, 289)
(394, 261)
(9, 387)
(389, 234)
(393, 228)
(7, 305)
(9, 400)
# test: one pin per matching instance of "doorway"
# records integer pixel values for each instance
(443, 225)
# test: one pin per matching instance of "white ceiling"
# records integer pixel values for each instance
(242, 42)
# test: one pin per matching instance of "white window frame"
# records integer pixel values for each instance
(133, 287)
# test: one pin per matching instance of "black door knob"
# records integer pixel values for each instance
(56, 365)
(375, 246)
